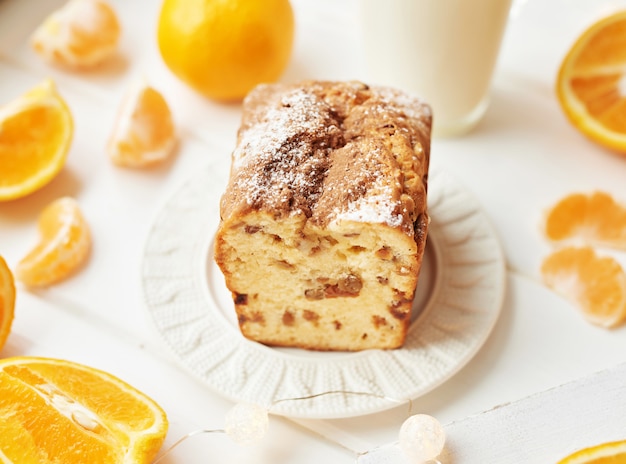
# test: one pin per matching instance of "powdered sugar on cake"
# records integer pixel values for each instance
(296, 114)
(371, 209)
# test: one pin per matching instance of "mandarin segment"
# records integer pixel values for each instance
(596, 284)
(36, 131)
(7, 301)
(81, 34)
(590, 82)
(59, 411)
(64, 245)
(144, 132)
(594, 218)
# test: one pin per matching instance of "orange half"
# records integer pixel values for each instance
(606, 453)
(56, 411)
(591, 83)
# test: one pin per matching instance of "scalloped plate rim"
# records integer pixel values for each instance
(332, 403)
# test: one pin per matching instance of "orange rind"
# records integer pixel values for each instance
(7, 301)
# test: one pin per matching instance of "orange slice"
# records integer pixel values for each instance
(144, 132)
(56, 411)
(81, 34)
(7, 301)
(607, 453)
(591, 83)
(64, 245)
(596, 284)
(36, 132)
(595, 218)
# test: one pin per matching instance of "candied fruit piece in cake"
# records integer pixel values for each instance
(324, 221)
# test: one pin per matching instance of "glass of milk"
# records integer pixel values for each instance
(444, 51)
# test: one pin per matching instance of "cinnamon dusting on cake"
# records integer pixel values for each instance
(299, 145)
(283, 158)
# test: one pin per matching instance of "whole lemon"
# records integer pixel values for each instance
(223, 48)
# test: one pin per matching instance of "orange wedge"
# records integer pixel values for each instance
(56, 411)
(606, 453)
(7, 301)
(144, 132)
(591, 82)
(36, 132)
(81, 34)
(596, 284)
(594, 218)
(64, 245)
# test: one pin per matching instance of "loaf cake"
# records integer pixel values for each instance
(323, 221)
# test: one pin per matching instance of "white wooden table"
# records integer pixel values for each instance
(522, 157)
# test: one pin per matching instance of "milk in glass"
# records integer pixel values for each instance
(444, 51)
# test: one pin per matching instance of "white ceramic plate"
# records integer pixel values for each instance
(459, 297)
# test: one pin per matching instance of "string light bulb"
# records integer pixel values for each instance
(421, 438)
(246, 423)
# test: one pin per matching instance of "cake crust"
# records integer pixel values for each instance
(324, 221)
